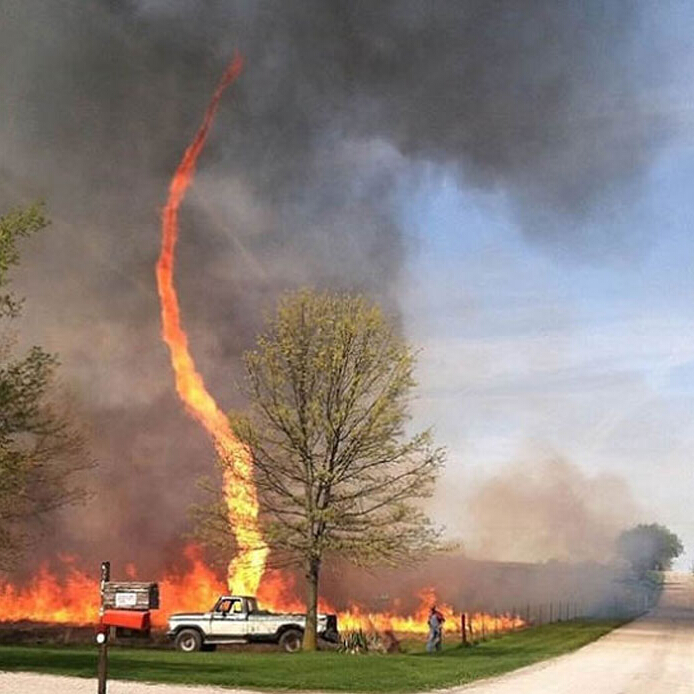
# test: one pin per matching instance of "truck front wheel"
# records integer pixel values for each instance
(188, 640)
(290, 640)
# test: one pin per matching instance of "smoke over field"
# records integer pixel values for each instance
(342, 108)
(549, 509)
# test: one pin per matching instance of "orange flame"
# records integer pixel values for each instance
(74, 599)
(246, 569)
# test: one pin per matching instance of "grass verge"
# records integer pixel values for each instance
(407, 672)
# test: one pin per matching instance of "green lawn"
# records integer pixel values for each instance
(407, 672)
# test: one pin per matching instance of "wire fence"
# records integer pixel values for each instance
(481, 625)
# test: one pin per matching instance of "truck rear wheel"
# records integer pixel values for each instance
(188, 640)
(290, 640)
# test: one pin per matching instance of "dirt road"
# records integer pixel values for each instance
(653, 655)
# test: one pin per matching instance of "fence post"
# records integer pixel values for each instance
(463, 628)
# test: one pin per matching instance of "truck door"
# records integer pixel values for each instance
(229, 619)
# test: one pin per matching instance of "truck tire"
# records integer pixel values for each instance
(290, 641)
(188, 640)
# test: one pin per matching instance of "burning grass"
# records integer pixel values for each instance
(71, 597)
(410, 671)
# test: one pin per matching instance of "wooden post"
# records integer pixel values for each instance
(102, 666)
(463, 628)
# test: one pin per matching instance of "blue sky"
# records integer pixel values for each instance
(533, 344)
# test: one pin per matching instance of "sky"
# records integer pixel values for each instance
(510, 180)
(526, 352)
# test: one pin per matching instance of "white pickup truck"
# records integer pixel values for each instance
(237, 619)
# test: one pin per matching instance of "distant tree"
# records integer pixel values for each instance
(329, 385)
(39, 448)
(649, 547)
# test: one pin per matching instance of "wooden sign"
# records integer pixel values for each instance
(130, 595)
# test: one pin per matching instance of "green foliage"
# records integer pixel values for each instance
(15, 225)
(39, 450)
(326, 671)
(329, 385)
(649, 547)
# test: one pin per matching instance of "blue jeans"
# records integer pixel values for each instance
(434, 640)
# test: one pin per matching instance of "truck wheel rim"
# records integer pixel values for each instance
(188, 643)
(293, 643)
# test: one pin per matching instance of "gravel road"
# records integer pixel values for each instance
(28, 683)
(653, 655)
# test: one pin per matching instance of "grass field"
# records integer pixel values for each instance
(407, 672)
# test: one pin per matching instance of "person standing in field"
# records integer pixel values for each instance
(435, 639)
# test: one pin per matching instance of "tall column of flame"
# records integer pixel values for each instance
(246, 569)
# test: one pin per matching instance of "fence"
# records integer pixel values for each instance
(480, 625)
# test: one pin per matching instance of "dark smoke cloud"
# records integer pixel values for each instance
(340, 105)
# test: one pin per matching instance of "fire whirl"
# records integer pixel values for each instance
(246, 569)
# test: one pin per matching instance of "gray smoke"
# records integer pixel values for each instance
(341, 105)
(548, 509)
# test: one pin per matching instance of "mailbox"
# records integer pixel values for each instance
(126, 619)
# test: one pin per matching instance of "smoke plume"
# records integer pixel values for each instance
(548, 510)
(341, 108)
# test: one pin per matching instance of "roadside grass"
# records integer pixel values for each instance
(329, 671)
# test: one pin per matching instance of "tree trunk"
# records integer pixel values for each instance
(312, 572)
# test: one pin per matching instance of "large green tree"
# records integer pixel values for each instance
(649, 547)
(39, 448)
(329, 385)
